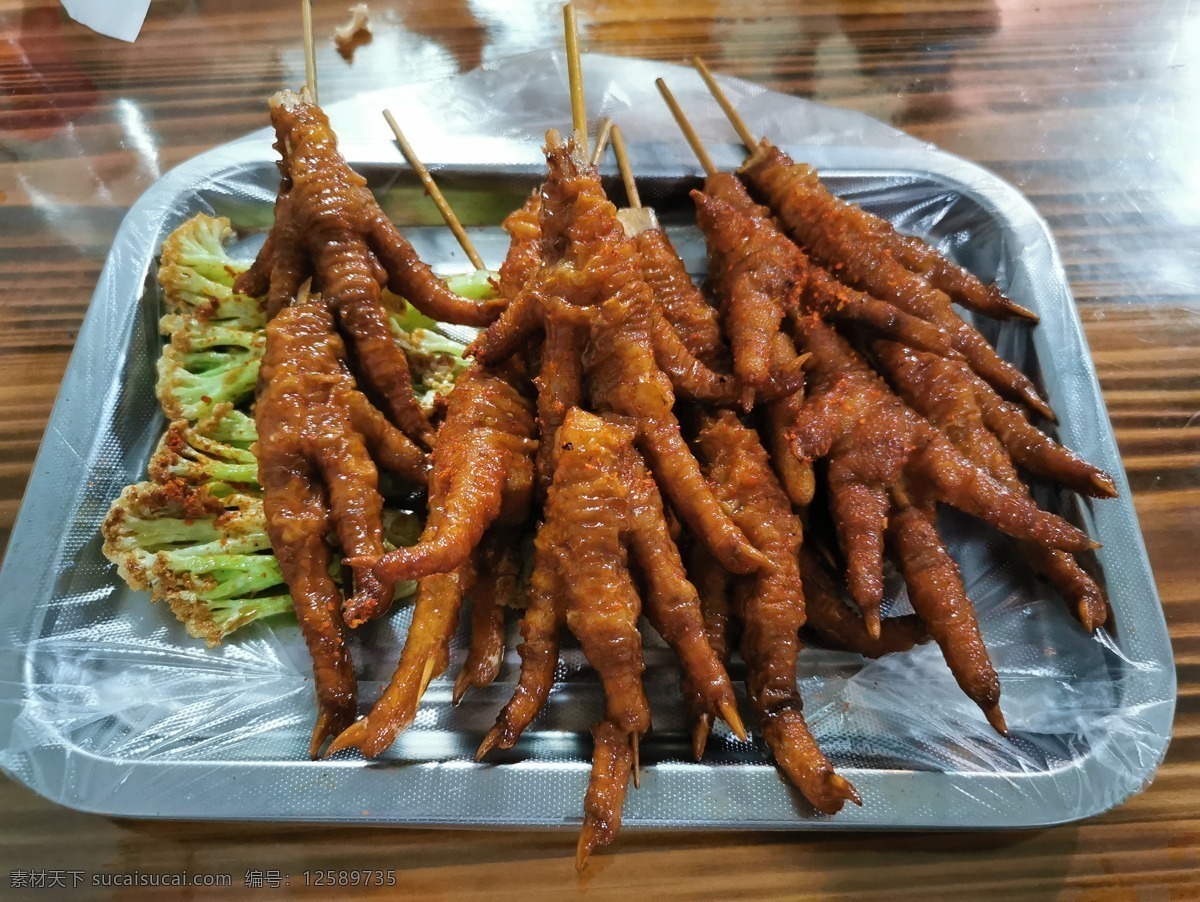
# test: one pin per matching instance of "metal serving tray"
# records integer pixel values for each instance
(106, 705)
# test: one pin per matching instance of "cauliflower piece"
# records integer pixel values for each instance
(207, 364)
(196, 537)
(196, 274)
(436, 361)
(192, 455)
(209, 558)
(232, 427)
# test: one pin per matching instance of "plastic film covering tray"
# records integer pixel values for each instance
(106, 704)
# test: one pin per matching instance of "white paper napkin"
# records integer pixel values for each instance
(120, 19)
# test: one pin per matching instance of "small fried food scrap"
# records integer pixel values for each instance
(328, 227)
(314, 431)
(770, 606)
(482, 472)
(874, 442)
(353, 33)
(831, 231)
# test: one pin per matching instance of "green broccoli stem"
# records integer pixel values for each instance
(231, 614)
(200, 537)
(476, 285)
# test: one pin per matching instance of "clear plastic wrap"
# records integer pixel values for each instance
(107, 705)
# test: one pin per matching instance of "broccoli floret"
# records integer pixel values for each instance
(190, 454)
(197, 274)
(209, 558)
(206, 364)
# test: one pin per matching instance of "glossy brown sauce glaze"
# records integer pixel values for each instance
(482, 474)
(839, 626)
(315, 431)
(559, 381)
(328, 227)
(691, 379)
(482, 471)
(937, 595)
(497, 587)
(541, 629)
(589, 509)
(828, 229)
(684, 306)
(760, 275)
(712, 582)
(939, 390)
(592, 269)
(754, 271)
(612, 763)
(877, 448)
(524, 257)
(769, 605)
(672, 604)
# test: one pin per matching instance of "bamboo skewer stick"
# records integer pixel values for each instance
(735, 119)
(575, 76)
(310, 54)
(602, 135)
(631, 191)
(686, 127)
(434, 192)
(637, 764)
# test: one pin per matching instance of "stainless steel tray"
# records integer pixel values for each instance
(106, 705)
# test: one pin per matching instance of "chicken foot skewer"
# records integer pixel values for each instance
(314, 431)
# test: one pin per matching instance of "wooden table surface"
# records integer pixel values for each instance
(1092, 109)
